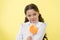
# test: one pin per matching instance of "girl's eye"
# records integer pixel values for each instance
(29, 15)
(34, 14)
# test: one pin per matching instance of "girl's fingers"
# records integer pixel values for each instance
(29, 38)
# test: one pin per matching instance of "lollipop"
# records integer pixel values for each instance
(33, 29)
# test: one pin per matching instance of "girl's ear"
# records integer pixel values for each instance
(25, 16)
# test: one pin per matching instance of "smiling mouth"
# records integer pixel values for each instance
(33, 20)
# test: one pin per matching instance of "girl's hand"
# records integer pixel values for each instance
(29, 38)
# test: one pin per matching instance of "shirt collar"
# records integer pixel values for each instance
(33, 23)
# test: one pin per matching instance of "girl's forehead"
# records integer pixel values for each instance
(31, 11)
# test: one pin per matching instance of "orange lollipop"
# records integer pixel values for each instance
(33, 29)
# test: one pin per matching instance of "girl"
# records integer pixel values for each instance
(34, 27)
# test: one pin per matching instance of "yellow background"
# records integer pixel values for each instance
(12, 15)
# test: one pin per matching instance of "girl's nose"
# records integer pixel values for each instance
(32, 17)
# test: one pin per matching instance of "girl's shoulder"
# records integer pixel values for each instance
(42, 23)
(24, 24)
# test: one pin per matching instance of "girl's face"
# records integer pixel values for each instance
(32, 15)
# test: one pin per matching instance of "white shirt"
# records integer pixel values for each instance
(24, 31)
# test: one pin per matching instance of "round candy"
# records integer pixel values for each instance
(33, 29)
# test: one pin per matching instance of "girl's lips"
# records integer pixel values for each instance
(33, 21)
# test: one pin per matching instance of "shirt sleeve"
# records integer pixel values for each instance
(20, 35)
(40, 34)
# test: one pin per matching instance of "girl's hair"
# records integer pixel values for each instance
(34, 7)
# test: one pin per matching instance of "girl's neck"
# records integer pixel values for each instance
(34, 22)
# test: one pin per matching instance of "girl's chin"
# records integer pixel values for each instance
(33, 21)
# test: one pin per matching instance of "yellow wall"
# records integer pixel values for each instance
(12, 14)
